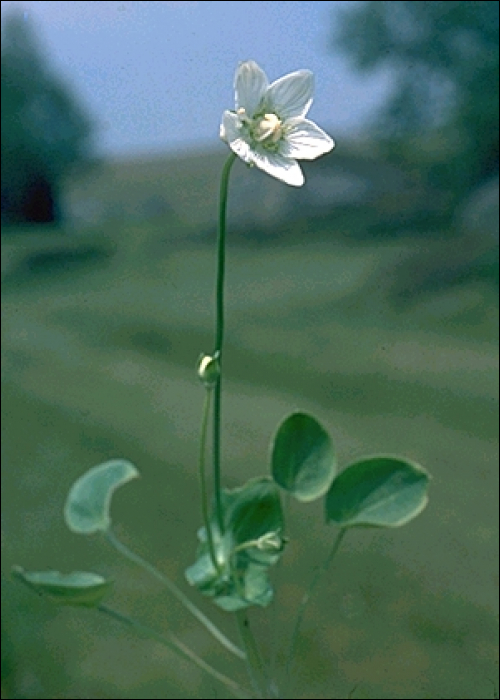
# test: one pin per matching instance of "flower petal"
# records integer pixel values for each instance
(250, 86)
(231, 133)
(305, 140)
(292, 95)
(285, 169)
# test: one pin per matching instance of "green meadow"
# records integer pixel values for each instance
(101, 333)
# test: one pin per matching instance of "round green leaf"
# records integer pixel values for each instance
(303, 458)
(253, 510)
(88, 503)
(78, 588)
(378, 492)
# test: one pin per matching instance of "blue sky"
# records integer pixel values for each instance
(157, 75)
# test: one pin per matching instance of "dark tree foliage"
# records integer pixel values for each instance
(45, 132)
(444, 60)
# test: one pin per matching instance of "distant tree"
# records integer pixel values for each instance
(445, 63)
(44, 133)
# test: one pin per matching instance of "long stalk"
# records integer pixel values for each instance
(172, 642)
(203, 480)
(307, 597)
(219, 336)
(175, 591)
(257, 672)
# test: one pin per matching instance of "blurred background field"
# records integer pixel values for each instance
(369, 298)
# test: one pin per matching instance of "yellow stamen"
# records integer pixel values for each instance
(269, 129)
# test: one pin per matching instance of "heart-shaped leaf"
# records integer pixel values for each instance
(250, 545)
(78, 588)
(253, 511)
(378, 492)
(303, 458)
(87, 508)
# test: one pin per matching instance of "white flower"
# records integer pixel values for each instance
(268, 127)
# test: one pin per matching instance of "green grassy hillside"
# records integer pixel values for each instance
(97, 360)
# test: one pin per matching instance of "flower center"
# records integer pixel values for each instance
(268, 129)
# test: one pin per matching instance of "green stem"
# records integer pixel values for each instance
(307, 597)
(203, 480)
(287, 507)
(219, 336)
(175, 644)
(255, 664)
(175, 591)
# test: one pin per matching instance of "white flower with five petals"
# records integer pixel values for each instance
(269, 128)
